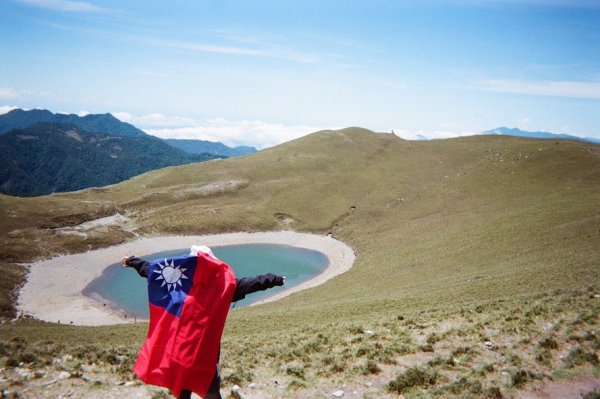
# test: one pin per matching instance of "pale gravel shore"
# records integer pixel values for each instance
(53, 291)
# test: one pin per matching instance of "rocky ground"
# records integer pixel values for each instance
(94, 382)
(545, 347)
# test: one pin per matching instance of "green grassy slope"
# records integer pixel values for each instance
(437, 226)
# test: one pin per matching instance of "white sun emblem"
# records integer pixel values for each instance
(170, 274)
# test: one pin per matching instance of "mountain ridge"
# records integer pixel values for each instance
(49, 157)
(516, 132)
(210, 147)
(108, 123)
(96, 123)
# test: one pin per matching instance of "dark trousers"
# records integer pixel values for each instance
(213, 390)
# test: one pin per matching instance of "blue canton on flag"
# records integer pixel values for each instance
(169, 282)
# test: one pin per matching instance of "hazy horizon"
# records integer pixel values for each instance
(261, 73)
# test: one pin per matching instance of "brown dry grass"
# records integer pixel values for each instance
(457, 236)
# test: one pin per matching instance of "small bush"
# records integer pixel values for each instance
(462, 350)
(356, 330)
(591, 337)
(337, 368)
(492, 393)
(160, 395)
(543, 356)
(486, 368)
(112, 359)
(312, 346)
(588, 318)
(238, 377)
(20, 342)
(296, 371)
(427, 348)
(296, 384)
(370, 367)
(514, 359)
(433, 338)
(362, 351)
(520, 377)
(4, 349)
(327, 360)
(413, 377)
(578, 357)
(595, 394)
(463, 385)
(548, 343)
(27, 358)
(441, 361)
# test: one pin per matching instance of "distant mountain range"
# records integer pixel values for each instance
(210, 147)
(44, 152)
(537, 135)
(52, 157)
(106, 123)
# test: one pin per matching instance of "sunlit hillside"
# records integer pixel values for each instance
(450, 235)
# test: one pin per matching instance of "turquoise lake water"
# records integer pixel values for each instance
(126, 290)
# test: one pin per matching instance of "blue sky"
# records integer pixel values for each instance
(264, 72)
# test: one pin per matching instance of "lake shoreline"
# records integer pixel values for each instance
(53, 290)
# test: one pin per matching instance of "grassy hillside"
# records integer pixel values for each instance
(458, 242)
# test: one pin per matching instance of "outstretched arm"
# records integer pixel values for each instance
(248, 285)
(140, 265)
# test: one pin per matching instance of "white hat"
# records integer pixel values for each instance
(201, 249)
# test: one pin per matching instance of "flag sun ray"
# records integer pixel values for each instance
(171, 274)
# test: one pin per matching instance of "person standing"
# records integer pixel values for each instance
(189, 298)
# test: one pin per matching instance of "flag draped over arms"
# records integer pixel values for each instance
(189, 298)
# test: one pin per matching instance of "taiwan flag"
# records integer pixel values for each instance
(189, 298)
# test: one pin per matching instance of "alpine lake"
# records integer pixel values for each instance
(125, 290)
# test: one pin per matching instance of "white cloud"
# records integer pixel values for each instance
(123, 116)
(523, 123)
(4, 109)
(254, 133)
(431, 134)
(8, 92)
(264, 50)
(155, 120)
(576, 89)
(210, 48)
(64, 5)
